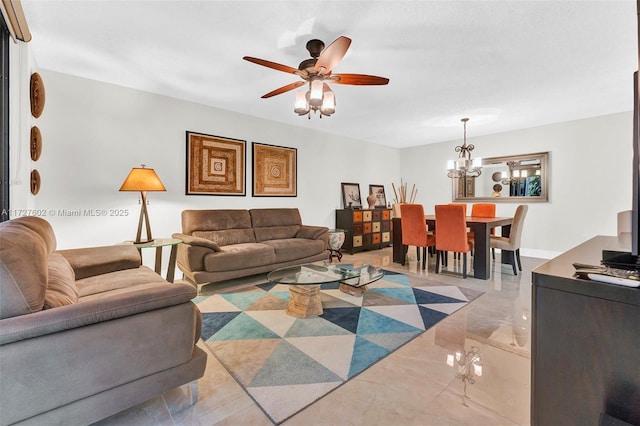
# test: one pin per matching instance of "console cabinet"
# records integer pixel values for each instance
(367, 229)
(585, 353)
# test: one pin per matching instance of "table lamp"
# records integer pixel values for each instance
(143, 180)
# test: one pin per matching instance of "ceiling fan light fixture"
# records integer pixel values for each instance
(328, 103)
(316, 70)
(315, 98)
(301, 106)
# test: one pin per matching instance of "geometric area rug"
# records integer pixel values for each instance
(286, 363)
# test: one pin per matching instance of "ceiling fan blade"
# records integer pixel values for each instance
(273, 65)
(359, 79)
(283, 89)
(332, 55)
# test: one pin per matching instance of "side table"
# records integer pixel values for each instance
(159, 244)
(336, 239)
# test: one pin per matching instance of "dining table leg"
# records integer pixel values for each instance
(481, 251)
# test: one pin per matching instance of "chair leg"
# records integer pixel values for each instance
(438, 253)
(513, 263)
(464, 265)
(518, 259)
(424, 258)
(493, 253)
(405, 250)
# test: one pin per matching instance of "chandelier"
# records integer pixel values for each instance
(463, 166)
(319, 98)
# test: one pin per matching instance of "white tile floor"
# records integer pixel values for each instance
(412, 386)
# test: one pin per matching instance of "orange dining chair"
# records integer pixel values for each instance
(512, 242)
(469, 232)
(460, 204)
(451, 235)
(414, 230)
(484, 210)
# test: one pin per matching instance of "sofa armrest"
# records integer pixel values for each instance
(312, 232)
(91, 261)
(115, 304)
(197, 241)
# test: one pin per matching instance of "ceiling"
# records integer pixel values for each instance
(504, 64)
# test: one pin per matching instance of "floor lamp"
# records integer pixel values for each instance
(143, 180)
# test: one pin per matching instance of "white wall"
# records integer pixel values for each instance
(590, 178)
(94, 133)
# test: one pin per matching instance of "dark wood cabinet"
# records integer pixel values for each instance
(367, 229)
(585, 354)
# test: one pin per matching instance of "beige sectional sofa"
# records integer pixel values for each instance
(223, 244)
(87, 333)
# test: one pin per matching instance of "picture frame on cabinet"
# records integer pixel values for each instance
(351, 195)
(381, 199)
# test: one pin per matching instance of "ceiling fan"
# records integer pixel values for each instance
(317, 72)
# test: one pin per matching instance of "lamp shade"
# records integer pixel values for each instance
(141, 179)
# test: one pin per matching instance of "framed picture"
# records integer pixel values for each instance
(274, 171)
(215, 165)
(378, 191)
(351, 195)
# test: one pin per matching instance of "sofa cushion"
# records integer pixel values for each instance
(61, 283)
(295, 248)
(227, 237)
(214, 220)
(239, 256)
(112, 281)
(261, 218)
(23, 266)
(42, 228)
(90, 261)
(276, 232)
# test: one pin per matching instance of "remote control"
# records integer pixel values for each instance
(614, 280)
(586, 266)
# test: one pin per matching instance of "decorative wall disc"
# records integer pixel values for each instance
(37, 95)
(36, 143)
(35, 181)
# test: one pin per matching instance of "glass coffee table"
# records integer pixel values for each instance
(304, 283)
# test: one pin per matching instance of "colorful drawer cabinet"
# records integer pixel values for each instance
(365, 229)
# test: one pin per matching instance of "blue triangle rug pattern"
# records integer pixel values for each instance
(286, 363)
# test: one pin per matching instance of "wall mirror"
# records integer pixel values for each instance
(516, 178)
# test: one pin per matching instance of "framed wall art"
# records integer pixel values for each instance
(215, 165)
(274, 171)
(351, 195)
(378, 191)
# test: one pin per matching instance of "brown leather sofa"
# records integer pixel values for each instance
(87, 333)
(224, 244)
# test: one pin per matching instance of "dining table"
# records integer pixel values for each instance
(481, 227)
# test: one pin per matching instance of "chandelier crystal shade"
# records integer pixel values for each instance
(464, 166)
